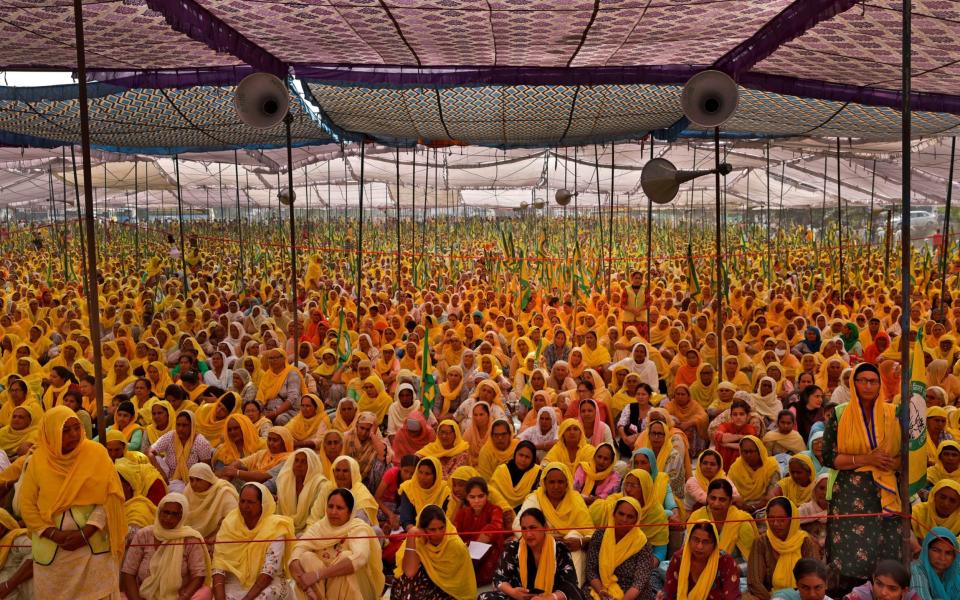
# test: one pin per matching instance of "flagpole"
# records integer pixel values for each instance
(905, 115)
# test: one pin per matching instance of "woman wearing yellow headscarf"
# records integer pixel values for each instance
(346, 474)
(265, 464)
(798, 485)
(211, 417)
(770, 568)
(862, 443)
(435, 562)
(211, 499)
(374, 398)
(72, 500)
(240, 439)
(703, 390)
(298, 486)
(159, 377)
(564, 509)
(498, 449)
(339, 557)
(16, 566)
(571, 448)
(754, 473)
(426, 487)
(311, 421)
(24, 428)
(699, 570)
(449, 448)
(280, 387)
(638, 485)
(927, 515)
(140, 511)
(243, 567)
(624, 541)
(166, 548)
(162, 421)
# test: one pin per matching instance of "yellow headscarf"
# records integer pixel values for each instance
(571, 515)
(304, 429)
(925, 515)
(547, 568)
(793, 492)
(435, 448)
(153, 433)
(704, 395)
(264, 460)
(165, 578)
(502, 481)
(738, 533)
(271, 383)
(139, 509)
(291, 504)
(420, 497)
(11, 440)
(13, 532)
(613, 552)
(559, 452)
(182, 450)
(490, 457)
(378, 405)
(709, 574)
(592, 476)
(238, 553)
(789, 550)
(934, 473)
(698, 474)
(208, 508)
(752, 484)
(228, 452)
(853, 438)
(448, 564)
(54, 482)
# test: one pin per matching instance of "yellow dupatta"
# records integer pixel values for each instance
(11, 439)
(139, 509)
(420, 497)
(54, 482)
(264, 460)
(304, 429)
(925, 515)
(794, 492)
(789, 550)
(208, 508)
(935, 473)
(435, 448)
(289, 503)
(613, 552)
(490, 457)
(228, 452)
(379, 404)
(739, 530)
(707, 577)
(152, 431)
(448, 564)
(13, 532)
(752, 484)
(559, 452)
(546, 569)
(571, 514)
(853, 437)
(165, 580)
(237, 552)
(698, 473)
(591, 476)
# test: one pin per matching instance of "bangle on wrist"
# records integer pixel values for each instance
(854, 457)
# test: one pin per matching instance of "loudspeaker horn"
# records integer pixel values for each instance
(286, 196)
(261, 100)
(539, 203)
(709, 98)
(661, 180)
(563, 197)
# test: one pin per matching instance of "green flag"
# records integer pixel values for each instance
(428, 384)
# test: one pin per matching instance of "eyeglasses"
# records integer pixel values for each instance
(863, 381)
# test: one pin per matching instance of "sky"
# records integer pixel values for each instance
(34, 79)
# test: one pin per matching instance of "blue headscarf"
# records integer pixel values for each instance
(814, 346)
(651, 458)
(947, 585)
(816, 433)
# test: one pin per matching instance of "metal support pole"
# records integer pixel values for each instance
(236, 170)
(360, 235)
(839, 220)
(719, 290)
(613, 172)
(945, 244)
(649, 244)
(287, 121)
(399, 267)
(769, 243)
(905, 115)
(136, 213)
(93, 295)
(873, 188)
(83, 244)
(888, 241)
(183, 252)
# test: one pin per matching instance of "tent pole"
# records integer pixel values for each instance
(80, 226)
(769, 244)
(945, 244)
(136, 213)
(93, 296)
(398, 226)
(183, 253)
(719, 291)
(649, 246)
(839, 219)
(596, 161)
(613, 173)
(66, 225)
(236, 171)
(287, 121)
(873, 188)
(887, 243)
(905, 291)
(360, 235)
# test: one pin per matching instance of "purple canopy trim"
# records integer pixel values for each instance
(188, 17)
(218, 76)
(401, 77)
(791, 23)
(780, 84)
